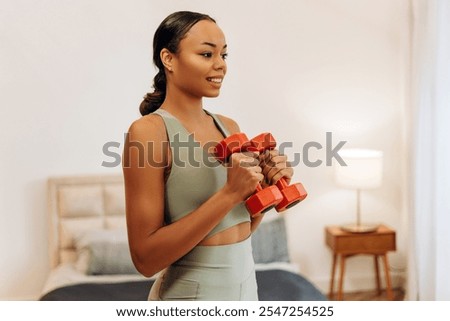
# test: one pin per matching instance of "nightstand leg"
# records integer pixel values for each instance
(341, 277)
(333, 272)
(377, 273)
(390, 295)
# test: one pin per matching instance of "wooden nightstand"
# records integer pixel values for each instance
(345, 244)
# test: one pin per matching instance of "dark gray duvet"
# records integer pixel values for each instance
(273, 285)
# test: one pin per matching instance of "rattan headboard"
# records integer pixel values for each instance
(80, 203)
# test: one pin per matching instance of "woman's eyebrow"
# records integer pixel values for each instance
(212, 44)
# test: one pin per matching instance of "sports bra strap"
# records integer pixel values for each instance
(225, 132)
(173, 126)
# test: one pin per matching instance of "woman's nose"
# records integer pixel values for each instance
(219, 63)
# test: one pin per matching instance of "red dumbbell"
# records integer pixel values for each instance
(292, 194)
(263, 199)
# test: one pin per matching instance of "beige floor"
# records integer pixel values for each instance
(399, 295)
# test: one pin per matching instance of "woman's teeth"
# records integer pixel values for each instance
(216, 80)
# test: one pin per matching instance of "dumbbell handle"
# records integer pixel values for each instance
(281, 183)
(232, 144)
(292, 194)
(268, 143)
(263, 199)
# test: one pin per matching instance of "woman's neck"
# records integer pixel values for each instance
(184, 107)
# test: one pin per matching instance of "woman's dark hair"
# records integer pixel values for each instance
(168, 35)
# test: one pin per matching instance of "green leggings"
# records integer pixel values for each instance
(211, 273)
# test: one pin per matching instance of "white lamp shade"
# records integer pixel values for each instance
(363, 171)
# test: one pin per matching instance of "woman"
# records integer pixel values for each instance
(183, 216)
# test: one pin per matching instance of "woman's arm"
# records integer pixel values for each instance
(153, 245)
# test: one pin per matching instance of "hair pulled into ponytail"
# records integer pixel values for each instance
(168, 35)
(152, 101)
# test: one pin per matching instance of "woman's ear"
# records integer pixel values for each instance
(166, 58)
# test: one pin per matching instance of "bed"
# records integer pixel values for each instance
(90, 259)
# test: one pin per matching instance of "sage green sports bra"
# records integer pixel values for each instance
(195, 175)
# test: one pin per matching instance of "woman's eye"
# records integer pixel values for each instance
(210, 54)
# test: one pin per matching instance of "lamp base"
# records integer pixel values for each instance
(361, 228)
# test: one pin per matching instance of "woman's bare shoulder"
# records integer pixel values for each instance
(145, 142)
(148, 127)
(230, 124)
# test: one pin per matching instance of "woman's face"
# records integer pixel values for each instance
(199, 66)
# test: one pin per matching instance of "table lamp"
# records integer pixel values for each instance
(363, 171)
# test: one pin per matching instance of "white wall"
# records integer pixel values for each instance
(73, 74)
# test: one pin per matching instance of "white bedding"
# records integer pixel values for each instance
(67, 274)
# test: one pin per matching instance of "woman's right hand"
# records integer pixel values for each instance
(243, 175)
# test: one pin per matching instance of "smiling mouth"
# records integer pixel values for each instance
(215, 80)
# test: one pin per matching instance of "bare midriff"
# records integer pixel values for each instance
(231, 235)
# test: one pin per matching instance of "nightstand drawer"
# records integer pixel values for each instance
(383, 240)
(382, 243)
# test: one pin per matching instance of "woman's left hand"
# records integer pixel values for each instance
(275, 166)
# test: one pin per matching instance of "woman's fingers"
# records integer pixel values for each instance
(275, 166)
(282, 163)
(285, 172)
(267, 155)
(247, 159)
(259, 176)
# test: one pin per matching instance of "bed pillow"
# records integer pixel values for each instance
(107, 251)
(103, 252)
(269, 242)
